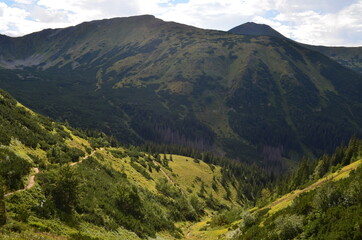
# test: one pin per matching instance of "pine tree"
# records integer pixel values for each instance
(2, 204)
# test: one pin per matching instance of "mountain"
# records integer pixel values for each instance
(350, 57)
(325, 206)
(258, 99)
(60, 183)
(255, 29)
(321, 200)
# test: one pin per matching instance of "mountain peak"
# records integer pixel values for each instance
(255, 29)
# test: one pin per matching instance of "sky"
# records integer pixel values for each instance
(317, 22)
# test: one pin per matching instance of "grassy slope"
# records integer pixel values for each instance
(178, 74)
(197, 231)
(286, 200)
(182, 172)
(350, 57)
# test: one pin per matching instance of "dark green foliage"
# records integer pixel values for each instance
(13, 169)
(120, 204)
(226, 217)
(82, 236)
(213, 203)
(92, 191)
(202, 192)
(2, 204)
(141, 170)
(309, 171)
(181, 208)
(164, 187)
(197, 205)
(17, 122)
(250, 179)
(332, 211)
(266, 122)
(62, 187)
(61, 153)
(118, 154)
(286, 97)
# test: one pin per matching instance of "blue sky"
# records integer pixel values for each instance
(318, 22)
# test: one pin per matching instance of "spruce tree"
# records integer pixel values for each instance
(2, 204)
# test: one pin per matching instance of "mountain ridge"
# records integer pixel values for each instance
(52, 175)
(175, 84)
(350, 57)
(255, 29)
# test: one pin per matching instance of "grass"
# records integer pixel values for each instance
(29, 235)
(123, 165)
(184, 172)
(87, 230)
(198, 231)
(76, 141)
(287, 199)
(187, 172)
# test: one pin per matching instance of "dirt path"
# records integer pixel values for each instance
(85, 157)
(169, 178)
(30, 184)
(164, 173)
(189, 230)
(32, 179)
(36, 171)
(188, 233)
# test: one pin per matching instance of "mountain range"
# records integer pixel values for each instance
(57, 182)
(201, 125)
(253, 98)
(350, 57)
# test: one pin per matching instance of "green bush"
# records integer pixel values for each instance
(13, 169)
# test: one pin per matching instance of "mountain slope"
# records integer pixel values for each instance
(142, 79)
(323, 201)
(255, 29)
(350, 57)
(60, 183)
(327, 209)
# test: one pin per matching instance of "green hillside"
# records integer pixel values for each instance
(324, 202)
(62, 183)
(255, 29)
(350, 57)
(140, 79)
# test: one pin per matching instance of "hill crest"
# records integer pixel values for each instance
(256, 29)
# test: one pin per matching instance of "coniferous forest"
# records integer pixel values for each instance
(137, 128)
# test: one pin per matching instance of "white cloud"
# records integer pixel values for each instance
(215, 14)
(24, 1)
(329, 22)
(341, 27)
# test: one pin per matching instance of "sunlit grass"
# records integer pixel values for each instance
(287, 199)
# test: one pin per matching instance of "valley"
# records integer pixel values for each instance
(140, 79)
(137, 128)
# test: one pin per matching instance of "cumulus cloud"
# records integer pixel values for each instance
(318, 26)
(323, 22)
(24, 1)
